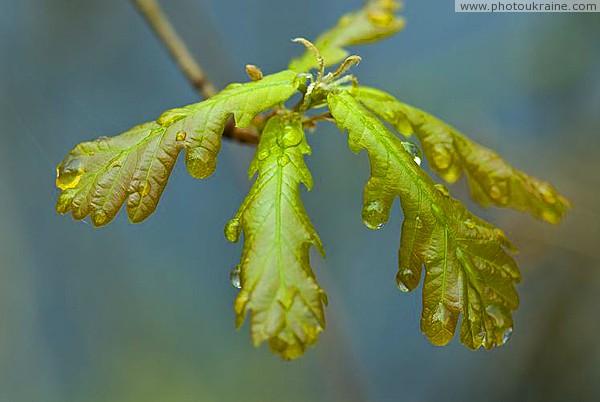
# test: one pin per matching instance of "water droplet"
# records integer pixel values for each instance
(263, 154)
(234, 277)
(401, 286)
(181, 135)
(507, 335)
(200, 162)
(291, 137)
(470, 223)
(323, 297)
(68, 174)
(443, 190)
(404, 280)
(232, 230)
(283, 160)
(441, 157)
(372, 215)
(99, 218)
(413, 150)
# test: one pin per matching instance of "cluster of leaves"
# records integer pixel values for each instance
(469, 272)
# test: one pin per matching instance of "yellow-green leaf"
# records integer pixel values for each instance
(449, 153)
(468, 270)
(373, 22)
(277, 282)
(97, 177)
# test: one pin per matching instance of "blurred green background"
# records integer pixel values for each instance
(144, 312)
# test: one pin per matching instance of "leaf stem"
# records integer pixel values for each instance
(166, 33)
(311, 121)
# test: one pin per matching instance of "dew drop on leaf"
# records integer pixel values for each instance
(69, 174)
(507, 335)
(401, 286)
(413, 150)
(405, 280)
(372, 226)
(290, 137)
(232, 230)
(372, 215)
(470, 223)
(234, 277)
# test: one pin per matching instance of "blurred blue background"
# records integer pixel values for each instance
(144, 312)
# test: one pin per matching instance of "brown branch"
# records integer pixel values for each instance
(164, 30)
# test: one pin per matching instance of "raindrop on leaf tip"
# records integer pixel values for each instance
(507, 335)
(234, 277)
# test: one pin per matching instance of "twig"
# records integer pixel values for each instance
(158, 21)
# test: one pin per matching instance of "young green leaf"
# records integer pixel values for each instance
(375, 21)
(449, 153)
(277, 283)
(97, 177)
(467, 268)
